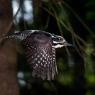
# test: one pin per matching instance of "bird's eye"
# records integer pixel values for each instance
(57, 39)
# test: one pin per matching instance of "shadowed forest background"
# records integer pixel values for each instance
(72, 19)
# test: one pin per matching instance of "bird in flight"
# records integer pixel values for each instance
(40, 49)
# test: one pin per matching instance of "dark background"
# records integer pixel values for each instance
(75, 20)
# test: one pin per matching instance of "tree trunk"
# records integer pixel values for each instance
(8, 69)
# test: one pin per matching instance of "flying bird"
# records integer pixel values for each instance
(40, 49)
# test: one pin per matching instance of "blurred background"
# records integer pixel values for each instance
(75, 21)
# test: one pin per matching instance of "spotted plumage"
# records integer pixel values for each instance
(40, 49)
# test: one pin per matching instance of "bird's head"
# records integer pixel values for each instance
(59, 41)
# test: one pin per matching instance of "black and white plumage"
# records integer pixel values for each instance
(40, 49)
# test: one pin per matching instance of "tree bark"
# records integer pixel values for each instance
(8, 66)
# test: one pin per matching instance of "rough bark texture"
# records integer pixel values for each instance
(8, 80)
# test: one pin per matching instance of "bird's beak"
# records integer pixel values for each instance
(59, 41)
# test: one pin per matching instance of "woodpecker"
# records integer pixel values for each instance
(40, 49)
